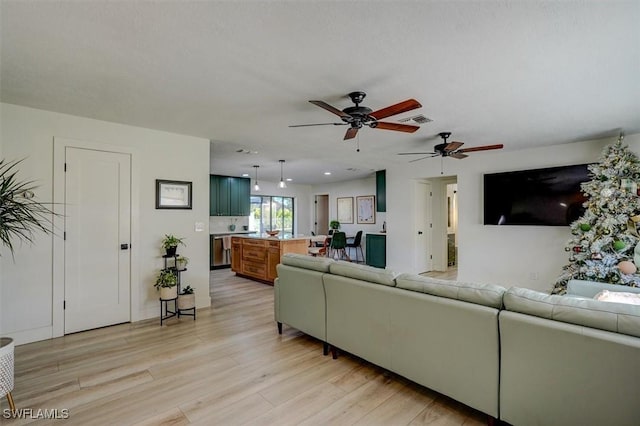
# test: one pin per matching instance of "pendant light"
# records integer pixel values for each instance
(256, 187)
(282, 183)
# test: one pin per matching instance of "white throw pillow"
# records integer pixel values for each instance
(618, 297)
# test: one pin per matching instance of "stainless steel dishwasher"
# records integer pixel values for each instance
(219, 259)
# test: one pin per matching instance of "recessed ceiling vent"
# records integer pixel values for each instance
(420, 119)
(245, 151)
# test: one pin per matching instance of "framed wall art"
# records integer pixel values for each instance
(366, 206)
(173, 194)
(345, 209)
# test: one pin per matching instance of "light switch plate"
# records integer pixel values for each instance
(199, 226)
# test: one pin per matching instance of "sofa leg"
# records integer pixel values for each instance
(334, 352)
(492, 421)
(325, 348)
(279, 328)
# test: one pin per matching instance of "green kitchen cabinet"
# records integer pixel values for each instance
(381, 191)
(376, 249)
(239, 197)
(229, 196)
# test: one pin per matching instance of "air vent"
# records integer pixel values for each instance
(245, 151)
(420, 119)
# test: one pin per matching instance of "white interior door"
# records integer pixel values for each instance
(97, 259)
(423, 227)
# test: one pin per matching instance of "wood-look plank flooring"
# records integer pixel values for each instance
(450, 274)
(230, 367)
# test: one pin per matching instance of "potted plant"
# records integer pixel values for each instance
(334, 224)
(20, 215)
(182, 262)
(170, 244)
(187, 299)
(167, 283)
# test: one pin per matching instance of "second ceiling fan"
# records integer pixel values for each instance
(358, 116)
(451, 149)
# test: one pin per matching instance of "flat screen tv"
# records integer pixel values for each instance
(549, 196)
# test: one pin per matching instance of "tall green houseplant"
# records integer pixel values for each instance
(20, 215)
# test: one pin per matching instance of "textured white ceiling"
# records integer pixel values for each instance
(519, 73)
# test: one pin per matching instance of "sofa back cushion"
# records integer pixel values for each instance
(616, 317)
(363, 272)
(589, 289)
(320, 264)
(480, 294)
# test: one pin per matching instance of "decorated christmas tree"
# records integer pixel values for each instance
(604, 239)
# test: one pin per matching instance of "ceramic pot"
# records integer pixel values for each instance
(186, 301)
(168, 293)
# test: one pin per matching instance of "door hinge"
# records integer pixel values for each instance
(64, 304)
(65, 167)
(431, 225)
(64, 237)
(430, 256)
(430, 194)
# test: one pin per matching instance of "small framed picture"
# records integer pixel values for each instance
(173, 194)
(366, 206)
(345, 209)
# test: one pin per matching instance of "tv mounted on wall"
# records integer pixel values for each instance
(549, 196)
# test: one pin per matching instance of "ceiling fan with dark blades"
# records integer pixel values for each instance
(358, 116)
(451, 149)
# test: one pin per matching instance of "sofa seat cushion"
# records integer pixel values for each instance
(480, 294)
(607, 316)
(363, 272)
(320, 264)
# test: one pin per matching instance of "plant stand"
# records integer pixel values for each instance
(165, 313)
(171, 264)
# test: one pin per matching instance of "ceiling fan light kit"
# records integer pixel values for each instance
(359, 116)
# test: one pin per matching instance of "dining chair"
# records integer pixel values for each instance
(339, 244)
(319, 250)
(357, 244)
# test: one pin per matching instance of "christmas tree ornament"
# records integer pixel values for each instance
(607, 192)
(618, 245)
(585, 227)
(627, 267)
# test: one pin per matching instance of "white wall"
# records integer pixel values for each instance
(26, 307)
(525, 256)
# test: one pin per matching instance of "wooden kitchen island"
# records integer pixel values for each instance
(256, 257)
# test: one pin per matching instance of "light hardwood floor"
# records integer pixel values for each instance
(450, 274)
(229, 367)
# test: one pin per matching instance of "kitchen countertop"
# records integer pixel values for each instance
(215, 234)
(277, 237)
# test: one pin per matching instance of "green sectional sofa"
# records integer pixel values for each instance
(517, 355)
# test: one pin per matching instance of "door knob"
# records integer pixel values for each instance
(124, 246)
(419, 232)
